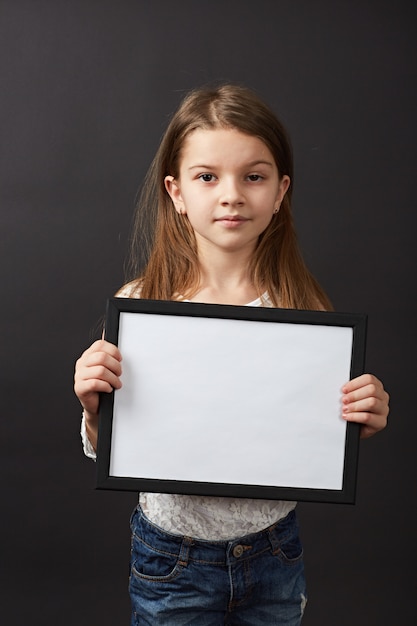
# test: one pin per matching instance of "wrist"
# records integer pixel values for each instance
(90, 421)
(90, 417)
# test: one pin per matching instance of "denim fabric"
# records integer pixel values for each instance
(255, 580)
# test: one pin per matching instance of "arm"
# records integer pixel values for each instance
(98, 370)
(365, 401)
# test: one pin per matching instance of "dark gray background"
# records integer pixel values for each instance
(86, 88)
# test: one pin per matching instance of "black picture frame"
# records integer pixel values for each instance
(162, 335)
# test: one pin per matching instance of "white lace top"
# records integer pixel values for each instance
(204, 517)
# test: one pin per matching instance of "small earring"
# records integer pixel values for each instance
(276, 210)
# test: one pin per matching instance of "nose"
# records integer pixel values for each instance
(231, 193)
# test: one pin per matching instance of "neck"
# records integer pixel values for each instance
(225, 279)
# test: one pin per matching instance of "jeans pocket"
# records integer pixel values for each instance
(150, 564)
(291, 549)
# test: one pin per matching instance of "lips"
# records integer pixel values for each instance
(232, 221)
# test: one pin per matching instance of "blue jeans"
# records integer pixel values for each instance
(178, 581)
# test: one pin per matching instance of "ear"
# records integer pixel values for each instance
(284, 184)
(174, 191)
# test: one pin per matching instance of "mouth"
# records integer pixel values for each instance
(232, 221)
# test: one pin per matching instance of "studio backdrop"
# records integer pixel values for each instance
(87, 89)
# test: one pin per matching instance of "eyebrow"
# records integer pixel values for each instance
(246, 165)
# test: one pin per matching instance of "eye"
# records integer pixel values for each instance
(207, 178)
(254, 178)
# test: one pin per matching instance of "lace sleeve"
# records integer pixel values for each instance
(87, 447)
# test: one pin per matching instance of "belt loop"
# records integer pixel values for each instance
(273, 536)
(183, 557)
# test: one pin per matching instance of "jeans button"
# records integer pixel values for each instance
(238, 551)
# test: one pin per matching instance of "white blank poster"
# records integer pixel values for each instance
(230, 401)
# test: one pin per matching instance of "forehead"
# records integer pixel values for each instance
(226, 146)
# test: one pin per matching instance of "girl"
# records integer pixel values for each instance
(215, 213)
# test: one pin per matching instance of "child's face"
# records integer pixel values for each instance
(228, 186)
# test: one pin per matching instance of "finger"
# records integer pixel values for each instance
(87, 388)
(362, 387)
(362, 381)
(101, 345)
(370, 398)
(370, 423)
(99, 373)
(363, 393)
(101, 360)
(90, 380)
(100, 353)
(369, 404)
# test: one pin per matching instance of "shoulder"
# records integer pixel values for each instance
(129, 290)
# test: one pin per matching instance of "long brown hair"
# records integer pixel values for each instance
(163, 242)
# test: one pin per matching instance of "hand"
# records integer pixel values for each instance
(98, 370)
(365, 401)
